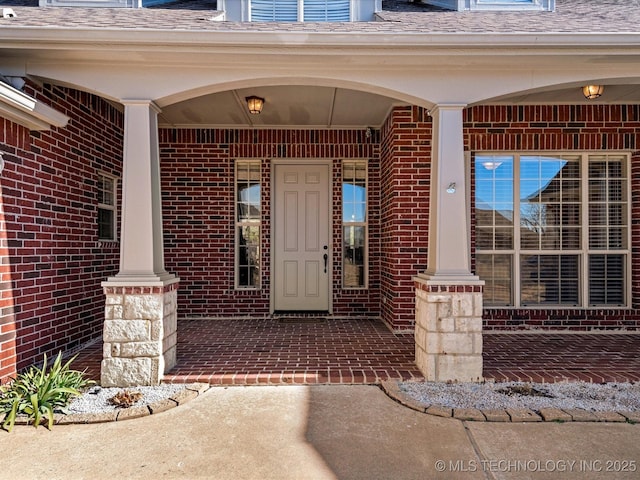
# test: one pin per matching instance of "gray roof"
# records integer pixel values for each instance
(398, 16)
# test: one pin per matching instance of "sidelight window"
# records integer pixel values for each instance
(354, 224)
(248, 224)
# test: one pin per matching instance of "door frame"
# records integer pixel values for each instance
(272, 235)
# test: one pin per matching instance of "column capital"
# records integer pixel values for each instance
(133, 102)
(449, 281)
(128, 280)
(447, 106)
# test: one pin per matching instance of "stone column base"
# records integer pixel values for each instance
(140, 333)
(448, 330)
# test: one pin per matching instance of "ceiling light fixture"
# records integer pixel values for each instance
(592, 92)
(491, 165)
(255, 104)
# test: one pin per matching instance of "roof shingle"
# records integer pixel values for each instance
(398, 16)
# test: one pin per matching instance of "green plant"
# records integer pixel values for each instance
(39, 392)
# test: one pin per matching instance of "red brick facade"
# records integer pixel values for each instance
(199, 224)
(404, 209)
(197, 175)
(52, 263)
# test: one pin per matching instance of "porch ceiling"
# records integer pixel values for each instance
(620, 91)
(286, 105)
(306, 106)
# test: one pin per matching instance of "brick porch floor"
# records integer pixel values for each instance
(247, 352)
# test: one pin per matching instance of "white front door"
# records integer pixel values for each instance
(301, 253)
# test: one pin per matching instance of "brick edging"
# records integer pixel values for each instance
(392, 389)
(190, 392)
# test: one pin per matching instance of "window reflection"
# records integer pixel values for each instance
(248, 191)
(494, 202)
(354, 220)
(550, 198)
(248, 211)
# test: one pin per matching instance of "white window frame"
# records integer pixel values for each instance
(510, 5)
(364, 224)
(494, 5)
(245, 223)
(584, 252)
(112, 208)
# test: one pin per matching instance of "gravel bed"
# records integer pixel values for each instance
(484, 396)
(96, 399)
(588, 396)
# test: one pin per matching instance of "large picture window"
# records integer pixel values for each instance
(552, 230)
(354, 224)
(248, 224)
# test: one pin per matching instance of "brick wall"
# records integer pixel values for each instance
(51, 261)
(564, 128)
(199, 224)
(404, 206)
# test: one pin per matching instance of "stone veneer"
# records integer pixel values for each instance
(448, 331)
(140, 334)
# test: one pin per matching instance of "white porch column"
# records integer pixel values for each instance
(448, 256)
(141, 250)
(448, 297)
(140, 329)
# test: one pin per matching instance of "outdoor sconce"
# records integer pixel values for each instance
(592, 92)
(255, 104)
(451, 188)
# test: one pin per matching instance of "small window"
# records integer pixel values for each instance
(354, 224)
(300, 10)
(495, 5)
(511, 5)
(248, 224)
(106, 208)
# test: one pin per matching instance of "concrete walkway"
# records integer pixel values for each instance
(316, 432)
